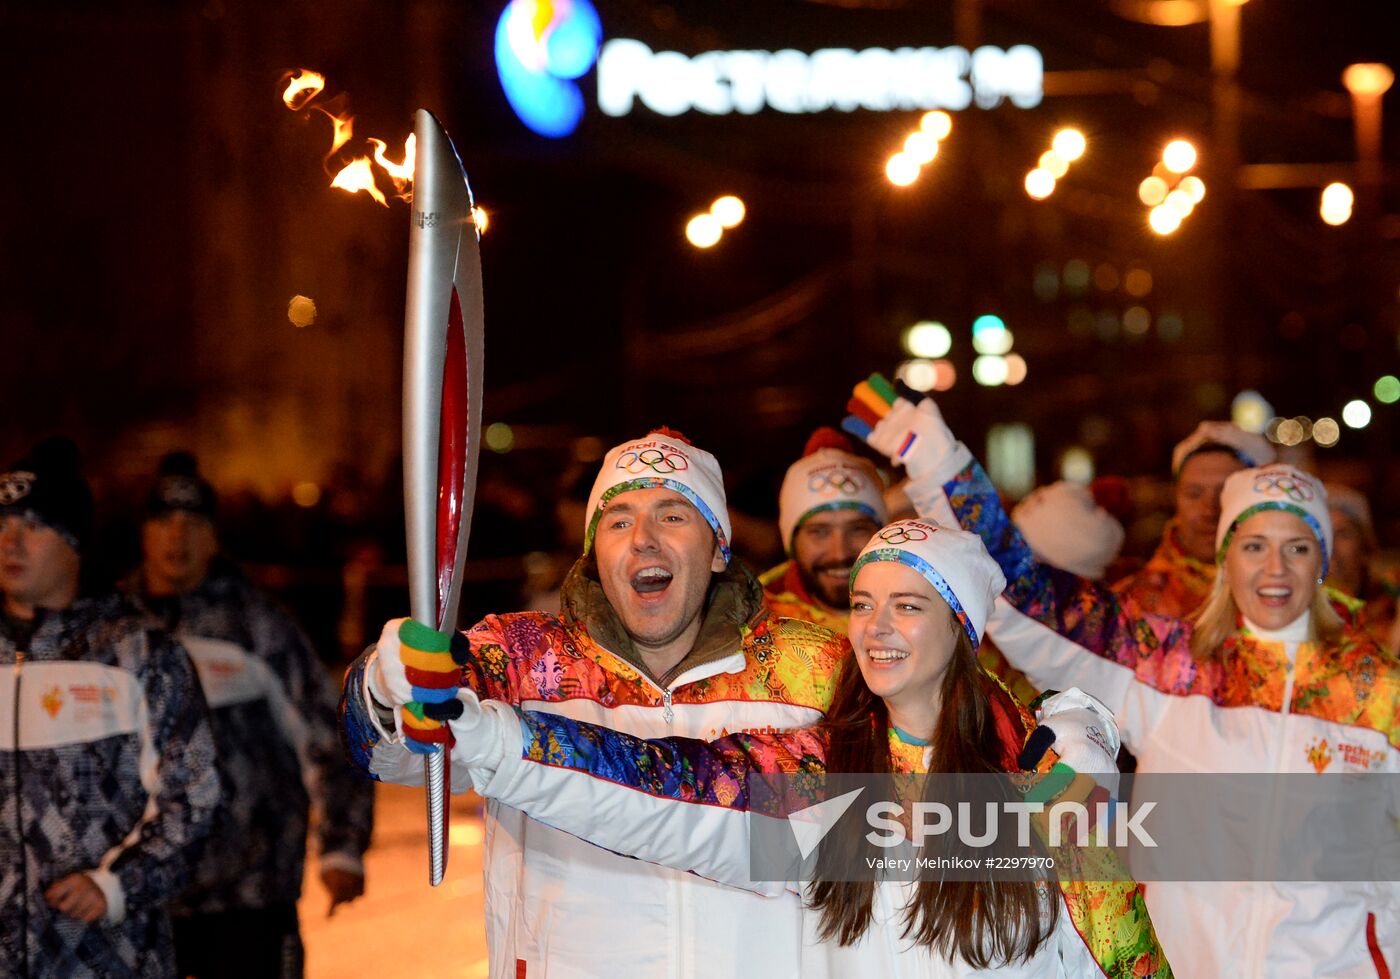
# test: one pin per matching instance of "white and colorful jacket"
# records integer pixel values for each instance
(687, 804)
(558, 907)
(1258, 707)
(107, 767)
(273, 710)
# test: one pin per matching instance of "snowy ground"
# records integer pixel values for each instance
(402, 926)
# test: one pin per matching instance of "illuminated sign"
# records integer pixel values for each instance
(721, 82)
(541, 47)
(544, 46)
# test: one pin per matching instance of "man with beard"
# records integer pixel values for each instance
(1178, 577)
(660, 634)
(831, 502)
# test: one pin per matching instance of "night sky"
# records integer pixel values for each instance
(165, 206)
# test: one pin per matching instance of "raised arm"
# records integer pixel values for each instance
(1059, 629)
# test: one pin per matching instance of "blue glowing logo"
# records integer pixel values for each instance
(541, 47)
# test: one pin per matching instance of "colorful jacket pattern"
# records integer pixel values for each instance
(1172, 582)
(553, 902)
(786, 595)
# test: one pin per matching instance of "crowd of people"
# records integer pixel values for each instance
(163, 745)
(167, 741)
(638, 716)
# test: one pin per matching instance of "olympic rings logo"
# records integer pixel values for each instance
(901, 534)
(15, 486)
(834, 482)
(1283, 484)
(657, 460)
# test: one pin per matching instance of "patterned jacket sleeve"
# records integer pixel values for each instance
(678, 802)
(1062, 630)
(305, 710)
(152, 863)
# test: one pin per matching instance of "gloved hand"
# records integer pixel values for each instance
(906, 426)
(418, 670)
(1086, 737)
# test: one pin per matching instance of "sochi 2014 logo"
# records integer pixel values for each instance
(541, 47)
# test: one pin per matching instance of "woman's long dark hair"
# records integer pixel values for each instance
(983, 922)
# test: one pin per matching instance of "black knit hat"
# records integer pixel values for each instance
(47, 486)
(179, 486)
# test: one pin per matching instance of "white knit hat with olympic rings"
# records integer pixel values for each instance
(828, 477)
(1276, 487)
(661, 460)
(954, 562)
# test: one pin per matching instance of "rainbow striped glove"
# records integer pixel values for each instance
(906, 426)
(418, 670)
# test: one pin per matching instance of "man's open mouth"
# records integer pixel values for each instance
(650, 581)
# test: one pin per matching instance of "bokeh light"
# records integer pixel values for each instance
(728, 210)
(1163, 219)
(1326, 432)
(920, 146)
(1015, 369)
(1356, 414)
(1179, 156)
(1137, 282)
(1077, 465)
(1069, 144)
(1053, 163)
(704, 230)
(937, 124)
(990, 370)
(1152, 191)
(301, 311)
(1336, 204)
(499, 437)
(919, 374)
(902, 169)
(1250, 411)
(928, 339)
(1387, 389)
(1040, 184)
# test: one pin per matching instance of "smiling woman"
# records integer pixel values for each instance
(1267, 679)
(912, 699)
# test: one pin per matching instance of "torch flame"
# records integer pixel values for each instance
(400, 173)
(358, 175)
(302, 87)
(343, 129)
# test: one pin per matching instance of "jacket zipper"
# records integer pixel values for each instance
(19, 830)
(1271, 825)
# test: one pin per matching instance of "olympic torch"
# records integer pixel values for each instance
(442, 381)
